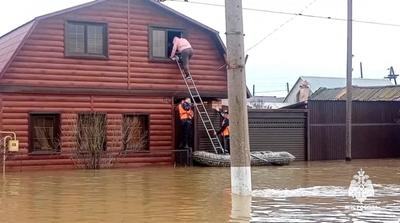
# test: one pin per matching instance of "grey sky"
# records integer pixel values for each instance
(303, 46)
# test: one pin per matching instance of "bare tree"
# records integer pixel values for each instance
(134, 135)
(90, 142)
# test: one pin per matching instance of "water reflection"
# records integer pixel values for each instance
(302, 192)
(241, 209)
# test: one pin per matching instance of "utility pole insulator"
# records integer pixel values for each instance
(392, 75)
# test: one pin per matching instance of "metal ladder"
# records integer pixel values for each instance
(201, 109)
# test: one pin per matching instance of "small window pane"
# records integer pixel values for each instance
(95, 39)
(158, 43)
(45, 132)
(76, 38)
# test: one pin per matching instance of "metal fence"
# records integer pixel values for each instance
(375, 129)
(269, 130)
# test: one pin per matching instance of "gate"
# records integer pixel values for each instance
(279, 130)
(269, 130)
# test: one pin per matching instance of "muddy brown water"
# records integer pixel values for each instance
(301, 192)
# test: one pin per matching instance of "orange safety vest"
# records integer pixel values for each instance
(226, 131)
(183, 114)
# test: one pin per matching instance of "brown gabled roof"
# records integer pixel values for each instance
(11, 42)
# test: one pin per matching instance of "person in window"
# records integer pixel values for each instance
(186, 115)
(224, 130)
(182, 46)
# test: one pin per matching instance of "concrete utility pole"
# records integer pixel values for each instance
(238, 122)
(349, 70)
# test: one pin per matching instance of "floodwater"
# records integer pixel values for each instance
(301, 192)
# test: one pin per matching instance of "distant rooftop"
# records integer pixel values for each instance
(336, 82)
(382, 93)
(266, 99)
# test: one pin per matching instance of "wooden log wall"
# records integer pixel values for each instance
(41, 60)
(15, 117)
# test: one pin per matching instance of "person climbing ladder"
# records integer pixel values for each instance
(182, 46)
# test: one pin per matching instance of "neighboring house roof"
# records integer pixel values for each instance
(11, 42)
(265, 102)
(383, 93)
(336, 82)
(265, 99)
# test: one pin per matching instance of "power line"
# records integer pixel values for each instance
(298, 14)
(280, 26)
(293, 16)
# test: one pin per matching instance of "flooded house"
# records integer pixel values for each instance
(110, 58)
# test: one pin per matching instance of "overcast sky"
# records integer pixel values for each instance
(297, 46)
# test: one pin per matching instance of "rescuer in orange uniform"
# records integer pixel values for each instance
(186, 116)
(224, 131)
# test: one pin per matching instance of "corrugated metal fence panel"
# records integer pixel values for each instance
(327, 138)
(269, 130)
(327, 142)
(278, 130)
(375, 130)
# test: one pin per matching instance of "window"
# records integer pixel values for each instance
(44, 132)
(91, 132)
(161, 42)
(86, 39)
(135, 133)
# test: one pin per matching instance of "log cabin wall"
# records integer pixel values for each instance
(16, 109)
(41, 61)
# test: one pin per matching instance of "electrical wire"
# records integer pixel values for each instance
(293, 16)
(280, 26)
(298, 14)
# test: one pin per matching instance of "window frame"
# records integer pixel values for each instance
(147, 126)
(86, 55)
(56, 132)
(166, 30)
